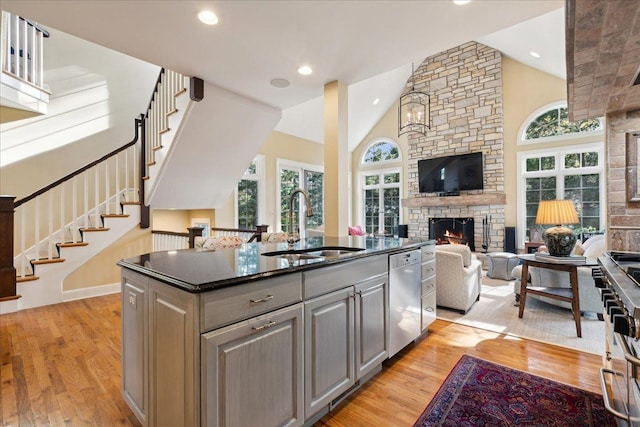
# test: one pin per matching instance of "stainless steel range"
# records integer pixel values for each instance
(618, 275)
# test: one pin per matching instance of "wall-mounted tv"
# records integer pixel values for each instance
(451, 174)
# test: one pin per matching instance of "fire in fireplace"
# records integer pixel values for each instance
(452, 230)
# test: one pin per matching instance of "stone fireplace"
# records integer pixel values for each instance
(467, 117)
(452, 231)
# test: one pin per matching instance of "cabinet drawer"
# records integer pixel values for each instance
(428, 285)
(428, 309)
(235, 303)
(328, 279)
(428, 268)
(428, 252)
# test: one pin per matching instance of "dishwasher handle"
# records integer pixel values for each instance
(404, 259)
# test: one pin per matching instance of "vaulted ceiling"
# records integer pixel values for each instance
(368, 45)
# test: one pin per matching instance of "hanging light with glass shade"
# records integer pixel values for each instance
(414, 113)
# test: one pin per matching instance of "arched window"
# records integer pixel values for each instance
(555, 122)
(570, 168)
(381, 151)
(380, 187)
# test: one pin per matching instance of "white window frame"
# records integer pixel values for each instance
(555, 138)
(382, 163)
(300, 167)
(381, 185)
(262, 195)
(559, 172)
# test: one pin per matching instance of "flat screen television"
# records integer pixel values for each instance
(451, 174)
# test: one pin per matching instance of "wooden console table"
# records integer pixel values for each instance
(570, 295)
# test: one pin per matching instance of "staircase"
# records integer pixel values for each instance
(201, 150)
(62, 226)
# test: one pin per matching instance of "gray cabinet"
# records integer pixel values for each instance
(328, 338)
(371, 325)
(252, 371)
(135, 343)
(345, 338)
(428, 296)
(159, 362)
(173, 360)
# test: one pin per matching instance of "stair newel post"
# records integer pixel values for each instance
(145, 217)
(193, 233)
(259, 230)
(7, 269)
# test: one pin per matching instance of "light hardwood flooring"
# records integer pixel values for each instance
(60, 366)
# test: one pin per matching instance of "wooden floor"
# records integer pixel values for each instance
(60, 366)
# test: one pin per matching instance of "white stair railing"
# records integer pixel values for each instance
(169, 241)
(100, 188)
(163, 104)
(23, 49)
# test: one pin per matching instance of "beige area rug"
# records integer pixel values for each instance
(543, 322)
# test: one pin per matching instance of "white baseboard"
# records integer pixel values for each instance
(10, 306)
(94, 291)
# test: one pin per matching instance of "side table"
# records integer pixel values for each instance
(570, 295)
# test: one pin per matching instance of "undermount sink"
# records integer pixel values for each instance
(293, 257)
(328, 252)
(311, 253)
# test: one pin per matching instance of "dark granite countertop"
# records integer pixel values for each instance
(198, 271)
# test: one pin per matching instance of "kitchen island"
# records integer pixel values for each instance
(259, 334)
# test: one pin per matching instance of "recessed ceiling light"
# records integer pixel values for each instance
(534, 54)
(459, 2)
(305, 70)
(280, 82)
(375, 101)
(208, 17)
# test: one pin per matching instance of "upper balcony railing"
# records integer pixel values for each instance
(23, 49)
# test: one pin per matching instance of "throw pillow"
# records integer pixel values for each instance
(596, 248)
(222, 242)
(356, 230)
(280, 237)
(578, 249)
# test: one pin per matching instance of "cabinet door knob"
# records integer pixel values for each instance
(265, 326)
(265, 299)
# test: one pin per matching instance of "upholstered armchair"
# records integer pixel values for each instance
(458, 277)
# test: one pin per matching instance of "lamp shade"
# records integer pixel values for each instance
(556, 212)
(559, 240)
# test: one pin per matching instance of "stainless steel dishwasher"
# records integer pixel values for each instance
(404, 299)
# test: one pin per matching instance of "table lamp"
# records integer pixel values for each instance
(559, 239)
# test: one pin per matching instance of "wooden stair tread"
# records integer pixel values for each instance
(151, 164)
(46, 261)
(157, 147)
(115, 215)
(94, 229)
(163, 131)
(9, 298)
(129, 203)
(181, 91)
(71, 244)
(29, 278)
(175, 110)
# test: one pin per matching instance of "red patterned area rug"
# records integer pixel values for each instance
(481, 393)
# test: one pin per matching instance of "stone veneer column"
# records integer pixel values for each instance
(623, 227)
(465, 84)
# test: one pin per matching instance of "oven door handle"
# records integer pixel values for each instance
(631, 358)
(605, 393)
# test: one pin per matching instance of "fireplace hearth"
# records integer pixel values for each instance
(452, 231)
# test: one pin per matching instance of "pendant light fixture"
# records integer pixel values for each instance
(414, 113)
